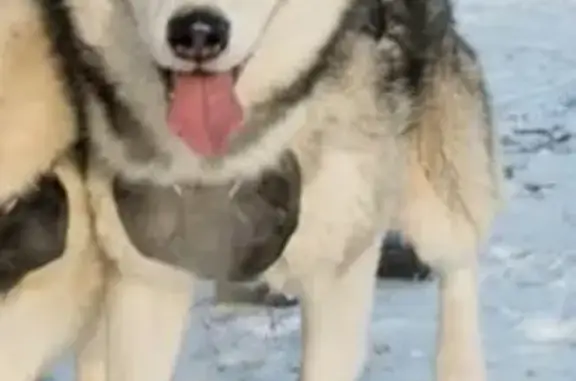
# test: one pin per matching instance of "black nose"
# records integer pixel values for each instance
(198, 35)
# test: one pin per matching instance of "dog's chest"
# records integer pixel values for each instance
(230, 232)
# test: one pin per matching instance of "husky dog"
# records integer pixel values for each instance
(379, 104)
(382, 103)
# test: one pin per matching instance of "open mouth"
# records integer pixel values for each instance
(204, 110)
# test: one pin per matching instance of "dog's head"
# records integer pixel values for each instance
(229, 68)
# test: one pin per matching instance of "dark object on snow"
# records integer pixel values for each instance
(398, 260)
(259, 293)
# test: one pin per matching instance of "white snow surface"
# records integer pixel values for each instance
(528, 274)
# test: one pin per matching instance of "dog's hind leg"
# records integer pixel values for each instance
(46, 311)
(460, 356)
(442, 244)
(452, 195)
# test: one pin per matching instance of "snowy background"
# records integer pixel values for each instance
(528, 48)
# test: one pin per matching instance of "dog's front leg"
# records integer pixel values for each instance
(145, 328)
(146, 304)
(330, 262)
(336, 305)
(90, 353)
(447, 234)
(336, 315)
(139, 335)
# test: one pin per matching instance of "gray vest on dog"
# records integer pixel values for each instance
(231, 232)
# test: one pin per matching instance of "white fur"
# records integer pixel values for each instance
(336, 309)
(139, 334)
(459, 353)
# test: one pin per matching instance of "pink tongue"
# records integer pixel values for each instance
(205, 111)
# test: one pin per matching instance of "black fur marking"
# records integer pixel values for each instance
(374, 13)
(82, 71)
(328, 60)
(216, 232)
(33, 233)
(66, 50)
(123, 123)
(418, 28)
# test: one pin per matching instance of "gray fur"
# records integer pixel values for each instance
(232, 232)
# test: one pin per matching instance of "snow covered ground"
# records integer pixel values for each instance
(529, 267)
